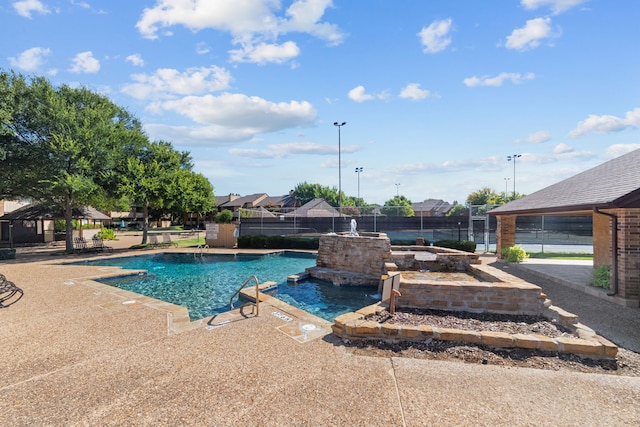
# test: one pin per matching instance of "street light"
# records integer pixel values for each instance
(506, 180)
(397, 190)
(509, 158)
(339, 164)
(358, 170)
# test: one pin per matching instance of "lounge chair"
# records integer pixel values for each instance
(98, 245)
(153, 240)
(166, 240)
(80, 245)
(8, 290)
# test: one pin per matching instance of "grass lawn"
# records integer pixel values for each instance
(192, 242)
(561, 255)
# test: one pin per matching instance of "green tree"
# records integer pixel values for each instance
(398, 206)
(61, 144)
(161, 178)
(306, 192)
(458, 210)
(191, 193)
(483, 196)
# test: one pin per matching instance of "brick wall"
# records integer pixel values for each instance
(505, 233)
(629, 253)
(601, 240)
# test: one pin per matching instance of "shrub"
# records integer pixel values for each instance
(601, 277)
(224, 217)
(514, 254)
(461, 245)
(106, 234)
(277, 242)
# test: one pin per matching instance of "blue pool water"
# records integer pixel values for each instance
(205, 284)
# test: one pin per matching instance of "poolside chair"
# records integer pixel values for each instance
(98, 245)
(80, 245)
(166, 240)
(8, 290)
(153, 240)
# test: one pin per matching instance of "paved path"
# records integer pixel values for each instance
(72, 355)
(566, 284)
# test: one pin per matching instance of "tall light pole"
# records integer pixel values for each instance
(358, 170)
(398, 190)
(339, 164)
(506, 181)
(509, 158)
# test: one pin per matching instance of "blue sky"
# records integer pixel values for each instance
(435, 93)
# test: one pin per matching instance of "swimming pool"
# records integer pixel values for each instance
(205, 284)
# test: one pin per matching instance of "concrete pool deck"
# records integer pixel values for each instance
(74, 355)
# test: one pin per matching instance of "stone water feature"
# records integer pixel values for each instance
(369, 259)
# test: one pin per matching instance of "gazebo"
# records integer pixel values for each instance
(610, 193)
(34, 223)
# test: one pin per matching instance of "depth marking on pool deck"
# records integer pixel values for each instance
(282, 316)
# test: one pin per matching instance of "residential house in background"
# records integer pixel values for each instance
(431, 207)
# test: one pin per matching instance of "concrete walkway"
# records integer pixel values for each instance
(72, 355)
(567, 285)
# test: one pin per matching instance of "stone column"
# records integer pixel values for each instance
(505, 232)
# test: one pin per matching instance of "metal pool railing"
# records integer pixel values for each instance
(257, 302)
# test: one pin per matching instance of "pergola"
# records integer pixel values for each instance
(610, 193)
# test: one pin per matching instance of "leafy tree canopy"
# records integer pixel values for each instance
(398, 206)
(61, 145)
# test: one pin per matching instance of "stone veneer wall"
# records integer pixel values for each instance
(503, 294)
(364, 254)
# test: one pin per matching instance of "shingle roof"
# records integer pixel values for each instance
(37, 211)
(615, 183)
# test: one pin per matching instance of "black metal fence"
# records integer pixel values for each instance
(552, 230)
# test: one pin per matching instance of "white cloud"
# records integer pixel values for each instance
(529, 36)
(30, 59)
(239, 111)
(264, 53)
(536, 137)
(168, 81)
(435, 37)
(413, 91)
(556, 6)
(254, 24)
(358, 94)
(198, 135)
(618, 150)
(84, 62)
(202, 48)
(515, 78)
(26, 7)
(135, 59)
(562, 148)
(279, 151)
(607, 124)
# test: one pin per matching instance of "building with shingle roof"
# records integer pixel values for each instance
(610, 193)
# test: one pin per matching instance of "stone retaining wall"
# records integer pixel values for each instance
(504, 294)
(355, 326)
(361, 254)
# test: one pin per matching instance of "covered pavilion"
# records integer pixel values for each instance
(610, 193)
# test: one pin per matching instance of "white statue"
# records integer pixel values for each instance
(354, 225)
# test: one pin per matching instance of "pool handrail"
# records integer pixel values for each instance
(257, 302)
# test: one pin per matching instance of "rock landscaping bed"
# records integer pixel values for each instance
(625, 363)
(513, 324)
